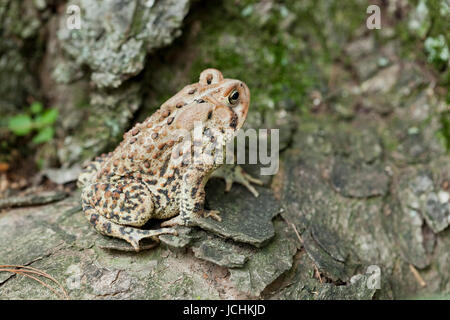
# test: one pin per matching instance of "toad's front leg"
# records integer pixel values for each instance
(192, 199)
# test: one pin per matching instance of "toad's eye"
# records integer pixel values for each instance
(233, 97)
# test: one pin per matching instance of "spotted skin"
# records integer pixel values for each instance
(146, 176)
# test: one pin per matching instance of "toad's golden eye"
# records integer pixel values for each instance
(233, 97)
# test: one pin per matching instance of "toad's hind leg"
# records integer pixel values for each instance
(117, 209)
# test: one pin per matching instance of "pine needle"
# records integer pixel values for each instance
(29, 271)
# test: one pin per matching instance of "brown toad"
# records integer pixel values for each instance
(147, 175)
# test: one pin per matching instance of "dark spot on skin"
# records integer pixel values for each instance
(133, 140)
(154, 135)
(180, 105)
(194, 192)
(163, 169)
(199, 100)
(192, 91)
(170, 120)
(94, 219)
(166, 113)
(209, 115)
(152, 182)
(165, 193)
(135, 131)
(234, 120)
(198, 207)
(107, 226)
(170, 179)
(161, 146)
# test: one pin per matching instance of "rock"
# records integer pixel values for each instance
(20, 49)
(115, 37)
(267, 264)
(357, 289)
(223, 253)
(359, 181)
(63, 175)
(58, 240)
(244, 218)
(339, 233)
(301, 282)
(383, 81)
(183, 239)
(421, 191)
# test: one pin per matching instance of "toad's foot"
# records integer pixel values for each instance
(132, 235)
(215, 214)
(179, 220)
(236, 174)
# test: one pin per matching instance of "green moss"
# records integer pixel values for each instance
(261, 48)
(445, 131)
(282, 50)
(430, 33)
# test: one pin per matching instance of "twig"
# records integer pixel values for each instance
(301, 241)
(32, 199)
(318, 273)
(417, 275)
(296, 232)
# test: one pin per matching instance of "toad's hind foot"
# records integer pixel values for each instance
(236, 174)
(177, 221)
(132, 235)
(186, 221)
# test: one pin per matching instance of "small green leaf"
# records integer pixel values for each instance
(47, 118)
(20, 125)
(44, 135)
(36, 107)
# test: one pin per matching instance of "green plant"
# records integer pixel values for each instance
(38, 120)
(437, 50)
